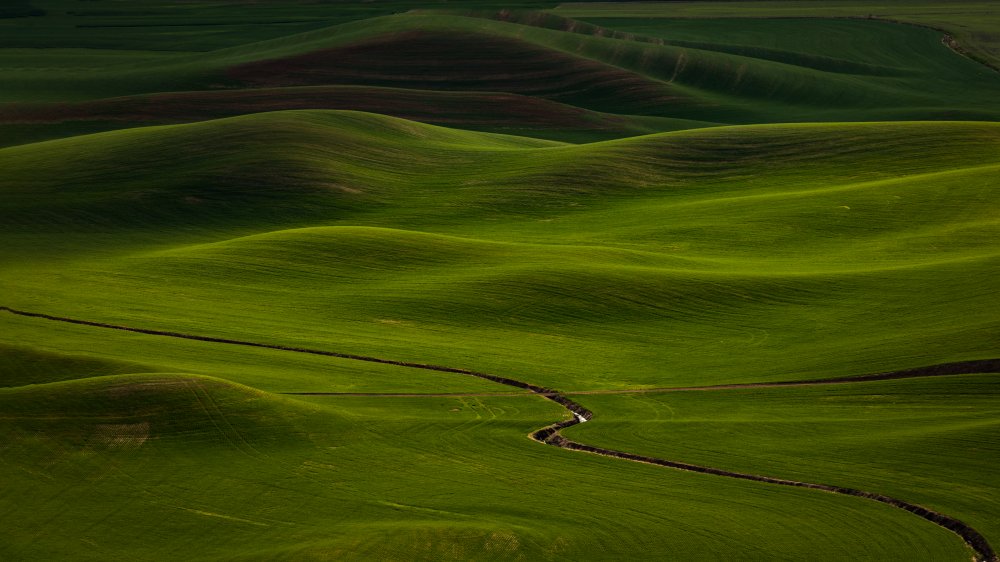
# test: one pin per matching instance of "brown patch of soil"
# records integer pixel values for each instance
(121, 435)
(482, 109)
(459, 62)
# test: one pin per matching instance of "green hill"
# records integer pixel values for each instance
(314, 280)
(889, 436)
(241, 474)
(724, 242)
(545, 76)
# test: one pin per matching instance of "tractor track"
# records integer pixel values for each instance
(550, 435)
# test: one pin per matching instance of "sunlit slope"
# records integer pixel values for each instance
(37, 352)
(637, 319)
(281, 167)
(199, 467)
(289, 167)
(748, 253)
(731, 254)
(929, 441)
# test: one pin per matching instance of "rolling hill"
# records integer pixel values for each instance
(313, 281)
(724, 238)
(524, 73)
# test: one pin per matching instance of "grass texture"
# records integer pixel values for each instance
(694, 257)
(723, 242)
(635, 201)
(886, 436)
(240, 474)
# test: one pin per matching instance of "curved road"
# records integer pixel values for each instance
(551, 435)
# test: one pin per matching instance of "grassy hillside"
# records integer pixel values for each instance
(301, 278)
(526, 73)
(35, 352)
(659, 245)
(886, 436)
(240, 474)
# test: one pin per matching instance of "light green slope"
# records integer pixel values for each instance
(733, 254)
(207, 470)
(34, 352)
(709, 256)
(929, 441)
(723, 255)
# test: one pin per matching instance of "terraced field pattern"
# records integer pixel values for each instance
(391, 280)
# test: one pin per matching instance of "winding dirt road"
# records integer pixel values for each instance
(550, 435)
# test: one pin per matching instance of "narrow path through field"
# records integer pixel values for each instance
(957, 368)
(550, 435)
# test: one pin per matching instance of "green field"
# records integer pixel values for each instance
(889, 436)
(523, 73)
(610, 206)
(974, 24)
